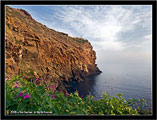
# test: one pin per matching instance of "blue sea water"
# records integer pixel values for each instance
(133, 78)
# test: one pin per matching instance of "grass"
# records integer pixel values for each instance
(23, 94)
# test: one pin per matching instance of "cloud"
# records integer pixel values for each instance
(149, 37)
(107, 27)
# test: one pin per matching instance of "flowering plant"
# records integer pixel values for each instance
(31, 97)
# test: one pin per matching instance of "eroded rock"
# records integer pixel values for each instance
(55, 57)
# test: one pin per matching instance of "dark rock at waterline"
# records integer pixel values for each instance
(55, 57)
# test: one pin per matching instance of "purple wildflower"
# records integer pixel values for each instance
(16, 86)
(27, 96)
(36, 80)
(81, 96)
(53, 96)
(26, 77)
(67, 94)
(53, 86)
(7, 77)
(16, 82)
(21, 93)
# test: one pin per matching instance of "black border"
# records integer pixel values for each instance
(153, 3)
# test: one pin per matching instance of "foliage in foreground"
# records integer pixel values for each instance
(23, 94)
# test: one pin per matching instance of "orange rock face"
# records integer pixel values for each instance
(55, 57)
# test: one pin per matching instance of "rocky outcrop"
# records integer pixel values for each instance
(55, 57)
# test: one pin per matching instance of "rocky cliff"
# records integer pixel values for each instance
(54, 56)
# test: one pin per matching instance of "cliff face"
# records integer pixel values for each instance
(55, 57)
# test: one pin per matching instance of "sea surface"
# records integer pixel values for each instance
(131, 77)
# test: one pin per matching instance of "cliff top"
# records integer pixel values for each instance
(53, 56)
(26, 18)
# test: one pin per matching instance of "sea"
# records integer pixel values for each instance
(132, 77)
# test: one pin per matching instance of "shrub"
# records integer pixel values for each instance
(24, 95)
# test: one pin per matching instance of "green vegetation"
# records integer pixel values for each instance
(80, 40)
(23, 94)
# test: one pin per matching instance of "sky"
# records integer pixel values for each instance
(119, 32)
